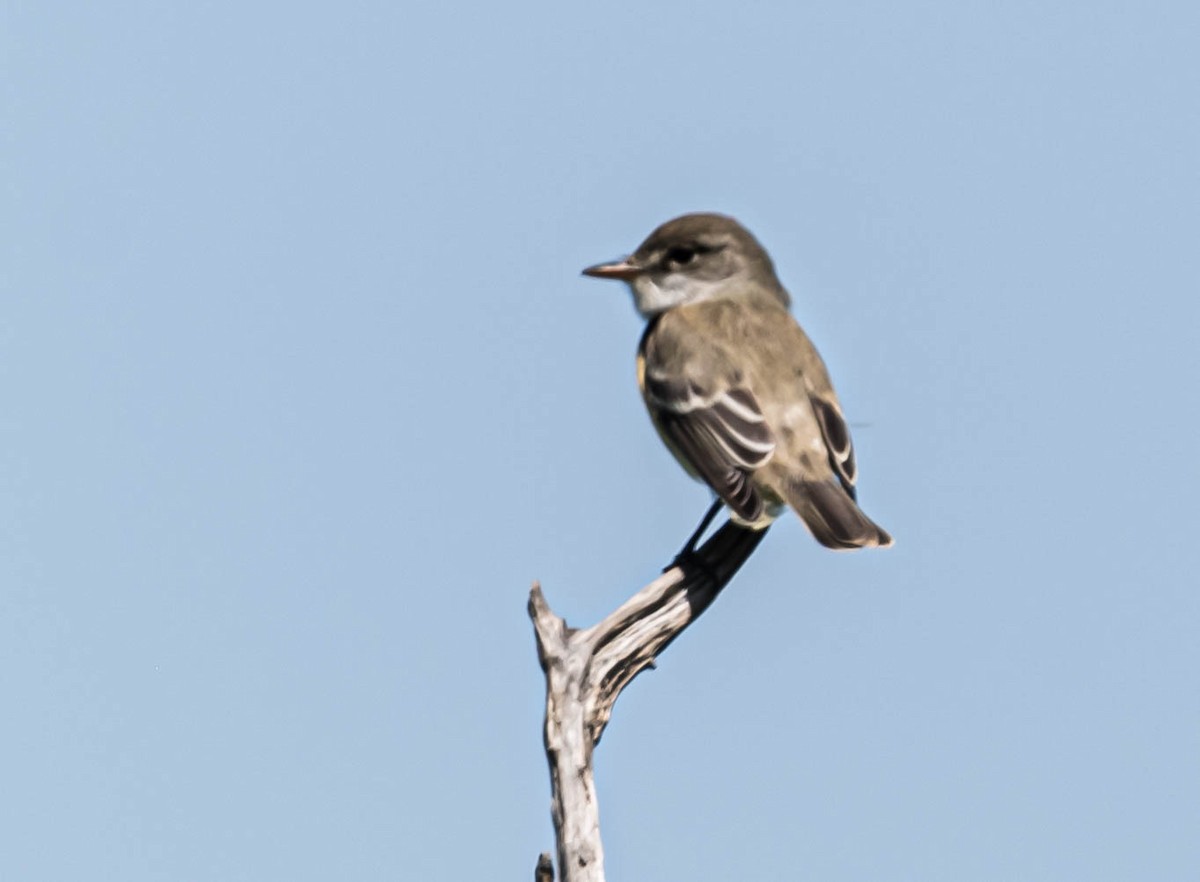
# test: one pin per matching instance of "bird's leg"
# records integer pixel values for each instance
(696, 536)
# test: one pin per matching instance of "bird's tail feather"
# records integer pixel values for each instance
(834, 519)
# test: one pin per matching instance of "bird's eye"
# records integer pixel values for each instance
(681, 255)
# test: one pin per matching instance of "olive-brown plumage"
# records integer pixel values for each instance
(734, 386)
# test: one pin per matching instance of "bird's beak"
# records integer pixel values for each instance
(619, 269)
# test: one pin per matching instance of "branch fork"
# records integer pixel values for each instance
(586, 669)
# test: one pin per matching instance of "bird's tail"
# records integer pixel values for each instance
(834, 519)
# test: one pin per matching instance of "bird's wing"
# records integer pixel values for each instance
(708, 417)
(837, 440)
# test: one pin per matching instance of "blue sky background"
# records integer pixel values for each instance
(301, 389)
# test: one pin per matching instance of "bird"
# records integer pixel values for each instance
(734, 387)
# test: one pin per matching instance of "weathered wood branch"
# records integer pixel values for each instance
(587, 669)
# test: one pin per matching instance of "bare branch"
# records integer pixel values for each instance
(587, 669)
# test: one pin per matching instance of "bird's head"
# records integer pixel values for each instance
(691, 258)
